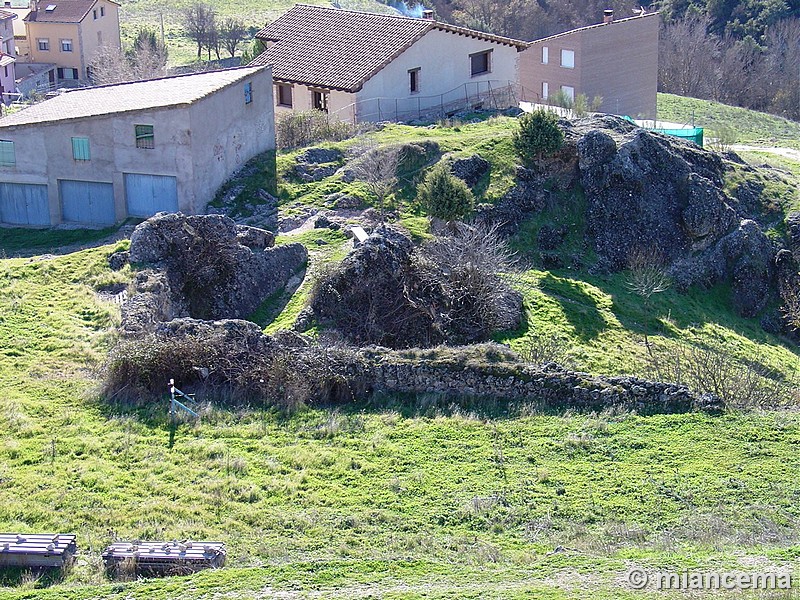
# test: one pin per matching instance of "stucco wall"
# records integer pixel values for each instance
(183, 139)
(339, 103)
(617, 61)
(239, 132)
(444, 62)
(108, 25)
(54, 32)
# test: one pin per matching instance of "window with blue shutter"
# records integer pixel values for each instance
(248, 93)
(80, 148)
(8, 157)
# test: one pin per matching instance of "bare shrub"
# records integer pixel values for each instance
(543, 348)
(466, 265)
(376, 166)
(741, 384)
(297, 129)
(647, 276)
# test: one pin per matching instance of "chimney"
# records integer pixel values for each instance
(427, 14)
(608, 15)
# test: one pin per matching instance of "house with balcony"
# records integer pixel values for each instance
(68, 34)
(98, 155)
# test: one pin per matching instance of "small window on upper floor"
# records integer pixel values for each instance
(80, 148)
(413, 80)
(480, 63)
(284, 95)
(248, 93)
(66, 45)
(102, 11)
(43, 44)
(545, 55)
(568, 59)
(145, 137)
(94, 14)
(8, 157)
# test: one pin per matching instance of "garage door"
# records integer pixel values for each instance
(87, 202)
(148, 194)
(24, 204)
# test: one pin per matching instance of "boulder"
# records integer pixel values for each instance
(471, 169)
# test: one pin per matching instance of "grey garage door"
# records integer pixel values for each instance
(148, 194)
(24, 204)
(87, 202)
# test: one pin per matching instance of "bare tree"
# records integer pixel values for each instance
(199, 21)
(647, 276)
(147, 59)
(232, 32)
(687, 56)
(376, 166)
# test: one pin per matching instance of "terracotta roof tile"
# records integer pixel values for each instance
(341, 49)
(126, 97)
(65, 11)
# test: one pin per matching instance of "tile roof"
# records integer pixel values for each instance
(341, 49)
(65, 11)
(7, 14)
(179, 90)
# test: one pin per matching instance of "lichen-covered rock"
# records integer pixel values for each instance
(118, 260)
(471, 169)
(208, 268)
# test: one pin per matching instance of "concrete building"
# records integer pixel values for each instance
(68, 34)
(371, 67)
(8, 77)
(616, 60)
(99, 155)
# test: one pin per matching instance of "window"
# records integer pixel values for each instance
(8, 157)
(80, 148)
(284, 95)
(94, 14)
(545, 90)
(60, 72)
(6, 71)
(480, 63)
(319, 100)
(569, 91)
(67, 73)
(102, 11)
(248, 93)
(413, 80)
(545, 55)
(66, 45)
(568, 59)
(44, 44)
(144, 137)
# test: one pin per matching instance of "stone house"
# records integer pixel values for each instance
(95, 156)
(372, 67)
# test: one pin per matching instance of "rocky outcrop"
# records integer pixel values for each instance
(471, 169)
(387, 291)
(205, 267)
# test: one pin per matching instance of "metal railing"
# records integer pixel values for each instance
(472, 95)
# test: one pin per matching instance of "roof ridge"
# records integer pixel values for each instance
(177, 76)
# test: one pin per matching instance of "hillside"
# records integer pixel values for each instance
(399, 497)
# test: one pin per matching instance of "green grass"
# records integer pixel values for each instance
(16, 239)
(751, 127)
(393, 497)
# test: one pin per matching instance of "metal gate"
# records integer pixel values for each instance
(148, 194)
(87, 202)
(24, 204)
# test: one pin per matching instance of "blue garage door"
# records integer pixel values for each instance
(24, 204)
(148, 194)
(87, 202)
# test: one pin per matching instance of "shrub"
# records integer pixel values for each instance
(297, 129)
(444, 196)
(538, 135)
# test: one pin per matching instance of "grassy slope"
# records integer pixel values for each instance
(751, 127)
(402, 500)
(137, 14)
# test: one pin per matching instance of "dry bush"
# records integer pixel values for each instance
(714, 371)
(298, 129)
(541, 348)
